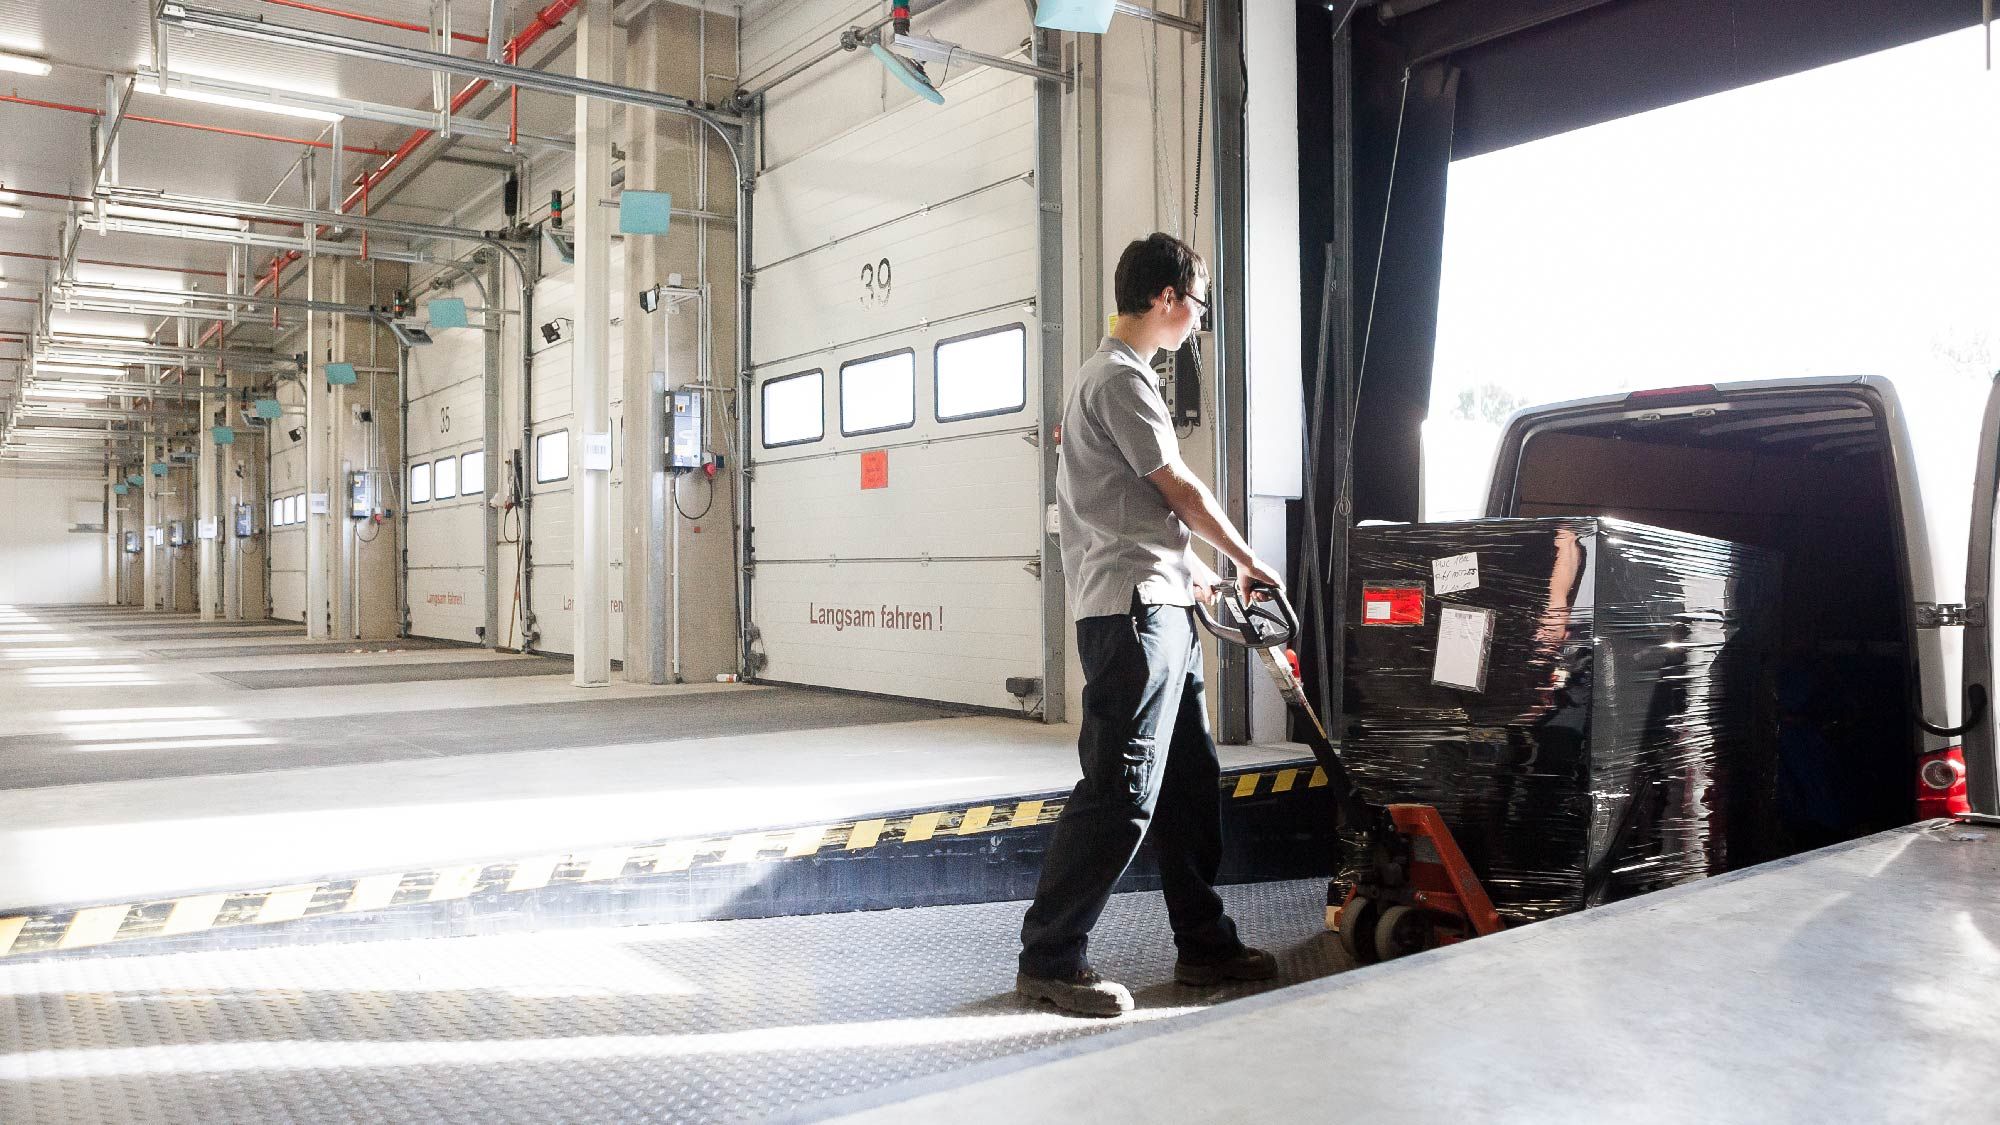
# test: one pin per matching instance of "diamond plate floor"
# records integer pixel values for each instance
(713, 1021)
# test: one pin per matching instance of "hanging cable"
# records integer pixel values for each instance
(706, 508)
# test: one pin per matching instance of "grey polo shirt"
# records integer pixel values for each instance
(1118, 535)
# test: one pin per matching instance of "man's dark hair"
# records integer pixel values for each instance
(1151, 264)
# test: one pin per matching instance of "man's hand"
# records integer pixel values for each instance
(1256, 573)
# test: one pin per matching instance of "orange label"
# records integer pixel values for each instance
(875, 469)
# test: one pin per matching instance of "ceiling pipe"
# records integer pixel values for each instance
(248, 134)
(544, 21)
(346, 107)
(190, 271)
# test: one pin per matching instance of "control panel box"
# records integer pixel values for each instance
(684, 426)
(361, 499)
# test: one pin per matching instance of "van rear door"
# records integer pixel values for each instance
(1982, 768)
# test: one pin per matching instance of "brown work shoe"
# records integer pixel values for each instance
(1086, 993)
(1245, 964)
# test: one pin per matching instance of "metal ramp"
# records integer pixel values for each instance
(693, 1021)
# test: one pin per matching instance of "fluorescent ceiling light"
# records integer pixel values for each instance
(24, 64)
(164, 215)
(72, 326)
(9, 197)
(174, 90)
(101, 370)
(44, 390)
(129, 278)
(7, 212)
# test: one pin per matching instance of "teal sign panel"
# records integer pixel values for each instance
(644, 212)
(447, 312)
(223, 435)
(160, 468)
(340, 374)
(1091, 16)
(269, 409)
(121, 488)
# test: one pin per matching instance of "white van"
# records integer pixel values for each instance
(1824, 471)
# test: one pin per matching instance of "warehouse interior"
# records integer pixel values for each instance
(530, 585)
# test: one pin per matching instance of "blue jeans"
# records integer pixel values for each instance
(1150, 773)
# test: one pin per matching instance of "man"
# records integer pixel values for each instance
(1128, 505)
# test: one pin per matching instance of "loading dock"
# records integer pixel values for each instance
(530, 589)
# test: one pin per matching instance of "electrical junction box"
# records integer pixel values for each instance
(177, 535)
(246, 521)
(131, 542)
(684, 452)
(360, 494)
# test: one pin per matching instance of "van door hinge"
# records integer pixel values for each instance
(1940, 615)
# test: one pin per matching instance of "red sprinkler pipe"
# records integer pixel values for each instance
(379, 21)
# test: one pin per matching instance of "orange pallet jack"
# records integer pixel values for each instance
(1415, 891)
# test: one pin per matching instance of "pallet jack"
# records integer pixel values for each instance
(1415, 891)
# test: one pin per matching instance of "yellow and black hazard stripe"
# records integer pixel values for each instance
(96, 926)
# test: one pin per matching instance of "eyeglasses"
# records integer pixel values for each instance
(1204, 322)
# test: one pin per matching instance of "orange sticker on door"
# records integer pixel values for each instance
(875, 469)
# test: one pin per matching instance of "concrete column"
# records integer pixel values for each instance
(590, 376)
(318, 454)
(648, 504)
(207, 551)
(109, 587)
(149, 510)
(234, 491)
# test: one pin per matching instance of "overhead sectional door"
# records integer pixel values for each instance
(895, 493)
(443, 482)
(286, 510)
(555, 451)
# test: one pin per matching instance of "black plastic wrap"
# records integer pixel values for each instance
(1605, 738)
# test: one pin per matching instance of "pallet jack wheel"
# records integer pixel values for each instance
(1403, 930)
(1357, 930)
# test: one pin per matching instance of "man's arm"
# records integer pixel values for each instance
(1191, 500)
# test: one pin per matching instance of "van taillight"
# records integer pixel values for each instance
(1941, 784)
(1671, 392)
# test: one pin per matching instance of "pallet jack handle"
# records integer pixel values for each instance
(1263, 622)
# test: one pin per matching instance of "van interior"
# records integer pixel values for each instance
(1805, 473)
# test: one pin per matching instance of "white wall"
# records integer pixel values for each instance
(41, 560)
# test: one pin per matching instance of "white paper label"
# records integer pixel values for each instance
(204, 529)
(1451, 575)
(1707, 593)
(1463, 637)
(1377, 610)
(597, 452)
(317, 504)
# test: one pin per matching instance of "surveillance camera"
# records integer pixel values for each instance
(649, 299)
(553, 330)
(296, 433)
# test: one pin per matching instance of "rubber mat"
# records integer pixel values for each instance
(307, 648)
(708, 1021)
(38, 760)
(495, 669)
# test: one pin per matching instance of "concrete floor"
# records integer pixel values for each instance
(129, 767)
